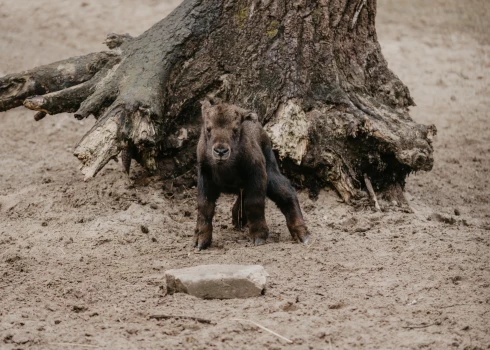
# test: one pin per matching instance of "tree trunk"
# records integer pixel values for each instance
(312, 70)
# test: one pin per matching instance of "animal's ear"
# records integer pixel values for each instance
(205, 106)
(250, 116)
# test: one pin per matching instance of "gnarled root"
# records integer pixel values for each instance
(115, 40)
(124, 127)
(101, 143)
(371, 192)
(67, 100)
(15, 88)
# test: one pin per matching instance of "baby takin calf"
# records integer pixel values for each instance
(235, 156)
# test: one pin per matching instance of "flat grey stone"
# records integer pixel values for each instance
(218, 281)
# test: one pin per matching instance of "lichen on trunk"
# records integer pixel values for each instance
(312, 70)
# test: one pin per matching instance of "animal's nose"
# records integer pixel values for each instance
(221, 151)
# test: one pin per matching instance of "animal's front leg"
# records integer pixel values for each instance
(206, 203)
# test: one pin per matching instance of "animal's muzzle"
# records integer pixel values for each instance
(221, 152)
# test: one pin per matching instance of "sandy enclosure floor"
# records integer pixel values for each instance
(75, 267)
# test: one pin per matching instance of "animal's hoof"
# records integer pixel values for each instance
(259, 241)
(203, 237)
(203, 245)
(300, 233)
(305, 239)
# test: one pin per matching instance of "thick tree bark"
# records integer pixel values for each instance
(312, 70)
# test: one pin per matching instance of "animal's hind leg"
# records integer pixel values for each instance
(239, 219)
(280, 190)
(254, 205)
(207, 195)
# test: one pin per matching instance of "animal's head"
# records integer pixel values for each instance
(222, 127)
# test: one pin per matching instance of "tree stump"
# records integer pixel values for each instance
(312, 70)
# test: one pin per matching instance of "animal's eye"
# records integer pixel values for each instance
(235, 130)
(208, 129)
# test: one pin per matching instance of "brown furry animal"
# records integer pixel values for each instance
(235, 156)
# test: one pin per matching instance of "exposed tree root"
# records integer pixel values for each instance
(66, 100)
(101, 143)
(115, 40)
(371, 192)
(15, 88)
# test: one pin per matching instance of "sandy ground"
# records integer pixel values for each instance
(77, 272)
